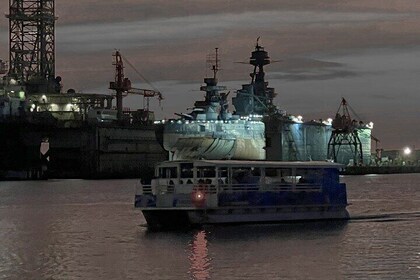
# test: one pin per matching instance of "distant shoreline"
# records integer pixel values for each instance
(363, 170)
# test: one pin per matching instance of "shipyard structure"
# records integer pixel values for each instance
(258, 130)
(67, 134)
(46, 130)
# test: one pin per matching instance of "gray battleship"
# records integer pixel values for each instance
(210, 131)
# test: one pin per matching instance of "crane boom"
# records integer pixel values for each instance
(122, 87)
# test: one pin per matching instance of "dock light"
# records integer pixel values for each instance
(407, 151)
(298, 119)
(328, 121)
(370, 125)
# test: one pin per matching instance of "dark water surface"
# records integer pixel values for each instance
(77, 229)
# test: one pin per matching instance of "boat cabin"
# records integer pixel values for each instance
(230, 191)
(223, 181)
(231, 173)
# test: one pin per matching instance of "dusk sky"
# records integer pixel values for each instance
(365, 51)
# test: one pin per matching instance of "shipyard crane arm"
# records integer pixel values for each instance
(147, 94)
(342, 120)
(376, 142)
(122, 86)
(375, 139)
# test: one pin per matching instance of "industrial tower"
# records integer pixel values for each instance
(32, 45)
(345, 133)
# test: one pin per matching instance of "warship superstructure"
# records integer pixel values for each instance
(211, 131)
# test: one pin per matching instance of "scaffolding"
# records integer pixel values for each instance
(31, 44)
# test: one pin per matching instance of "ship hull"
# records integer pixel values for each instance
(215, 140)
(169, 218)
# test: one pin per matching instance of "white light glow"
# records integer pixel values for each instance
(297, 119)
(328, 121)
(407, 151)
(53, 107)
(69, 107)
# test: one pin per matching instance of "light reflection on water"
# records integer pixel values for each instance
(199, 260)
(72, 229)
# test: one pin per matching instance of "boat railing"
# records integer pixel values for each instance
(143, 189)
(225, 188)
(270, 187)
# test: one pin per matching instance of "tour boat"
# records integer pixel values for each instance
(196, 192)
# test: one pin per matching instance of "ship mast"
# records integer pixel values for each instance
(215, 67)
(211, 88)
(256, 97)
(259, 58)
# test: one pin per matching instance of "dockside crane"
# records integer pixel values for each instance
(345, 133)
(122, 87)
(377, 149)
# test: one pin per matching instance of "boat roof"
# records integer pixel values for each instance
(257, 163)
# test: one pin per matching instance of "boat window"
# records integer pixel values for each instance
(206, 172)
(244, 176)
(167, 172)
(278, 175)
(222, 175)
(256, 171)
(309, 176)
(223, 172)
(186, 170)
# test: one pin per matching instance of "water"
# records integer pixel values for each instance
(77, 229)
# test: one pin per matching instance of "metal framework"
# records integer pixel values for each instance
(350, 139)
(345, 133)
(32, 42)
(122, 87)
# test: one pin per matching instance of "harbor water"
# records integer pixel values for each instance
(85, 229)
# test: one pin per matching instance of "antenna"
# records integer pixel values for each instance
(213, 62)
